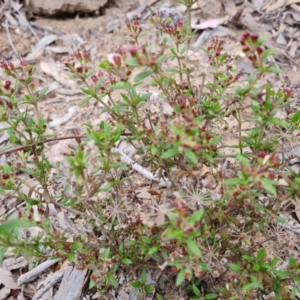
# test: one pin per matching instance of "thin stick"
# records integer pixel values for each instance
(5, 25)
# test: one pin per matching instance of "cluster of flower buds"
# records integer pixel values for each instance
(134, 27)
(77, 62)
(169, 25)
(217, 56)
(11, 70)
(107, 82)
(144, 58)
(117, 66)
(252, 48)
(6, 90)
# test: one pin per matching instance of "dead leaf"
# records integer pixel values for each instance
(7, 280)
(278, 4)
(58, 121)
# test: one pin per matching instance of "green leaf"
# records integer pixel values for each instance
(153, 250)
(42, 93)
(161, 59)
(98, 84)
(170, 153)
(126, 261)
(256, 267)
(84, 100)
(175, 234)
(142, 75)
(106, 253)
(283, 274)
(180, 277)
(136, 284)
(234, 268)
(261, 39)
(261, 254)
(153, 150)
(7, 168)
(281, 220)
(71, 256)
(191, 156)
(243, 160)
(278, 122)
(149, 288)
(196, 216)
(11, 225)
(267, 53)
(268, 185)
(132, 62)
(76, 246)
(2, 252)
(274, 70)
(232, 181)
(253, 285)
(92, 284)
(112, 280)
(194, 248)
(295, 117)
(196, 290)
(210, 296)
(87, 92)
(144, 276)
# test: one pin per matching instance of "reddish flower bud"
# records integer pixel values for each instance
(7, 84)
(259, 50)
(261, 154)
(254, 37)
(23, 63)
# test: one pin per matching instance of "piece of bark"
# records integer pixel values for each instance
(71, 285)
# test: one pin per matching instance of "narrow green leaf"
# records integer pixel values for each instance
(232, 181)
(268, 185)
(180, 277)
(295, 117)
(142, 75)
(87, 91)
(281, 220)
(135, 284)
(76, 246)
(132, 62)
(191, 156)
(253, 285)
(112, 280)
(261, 254)
(42, 93)
(106, 253)
(194, 248)
(196, 216)
(144, 276)
(170, 153)
(234, 268)
(210, 296)
(175, 234)
(153, 250)
(261, 39)
(267, 53)
(126, 261)
(274, 70)
(196, 291)
(243, 160)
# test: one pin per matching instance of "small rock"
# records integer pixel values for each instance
(56, 7)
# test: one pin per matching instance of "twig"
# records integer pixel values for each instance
(50, 284)
(50, 140)
(46, 28)
(5, 25)
(37, 270)
(126, 159)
